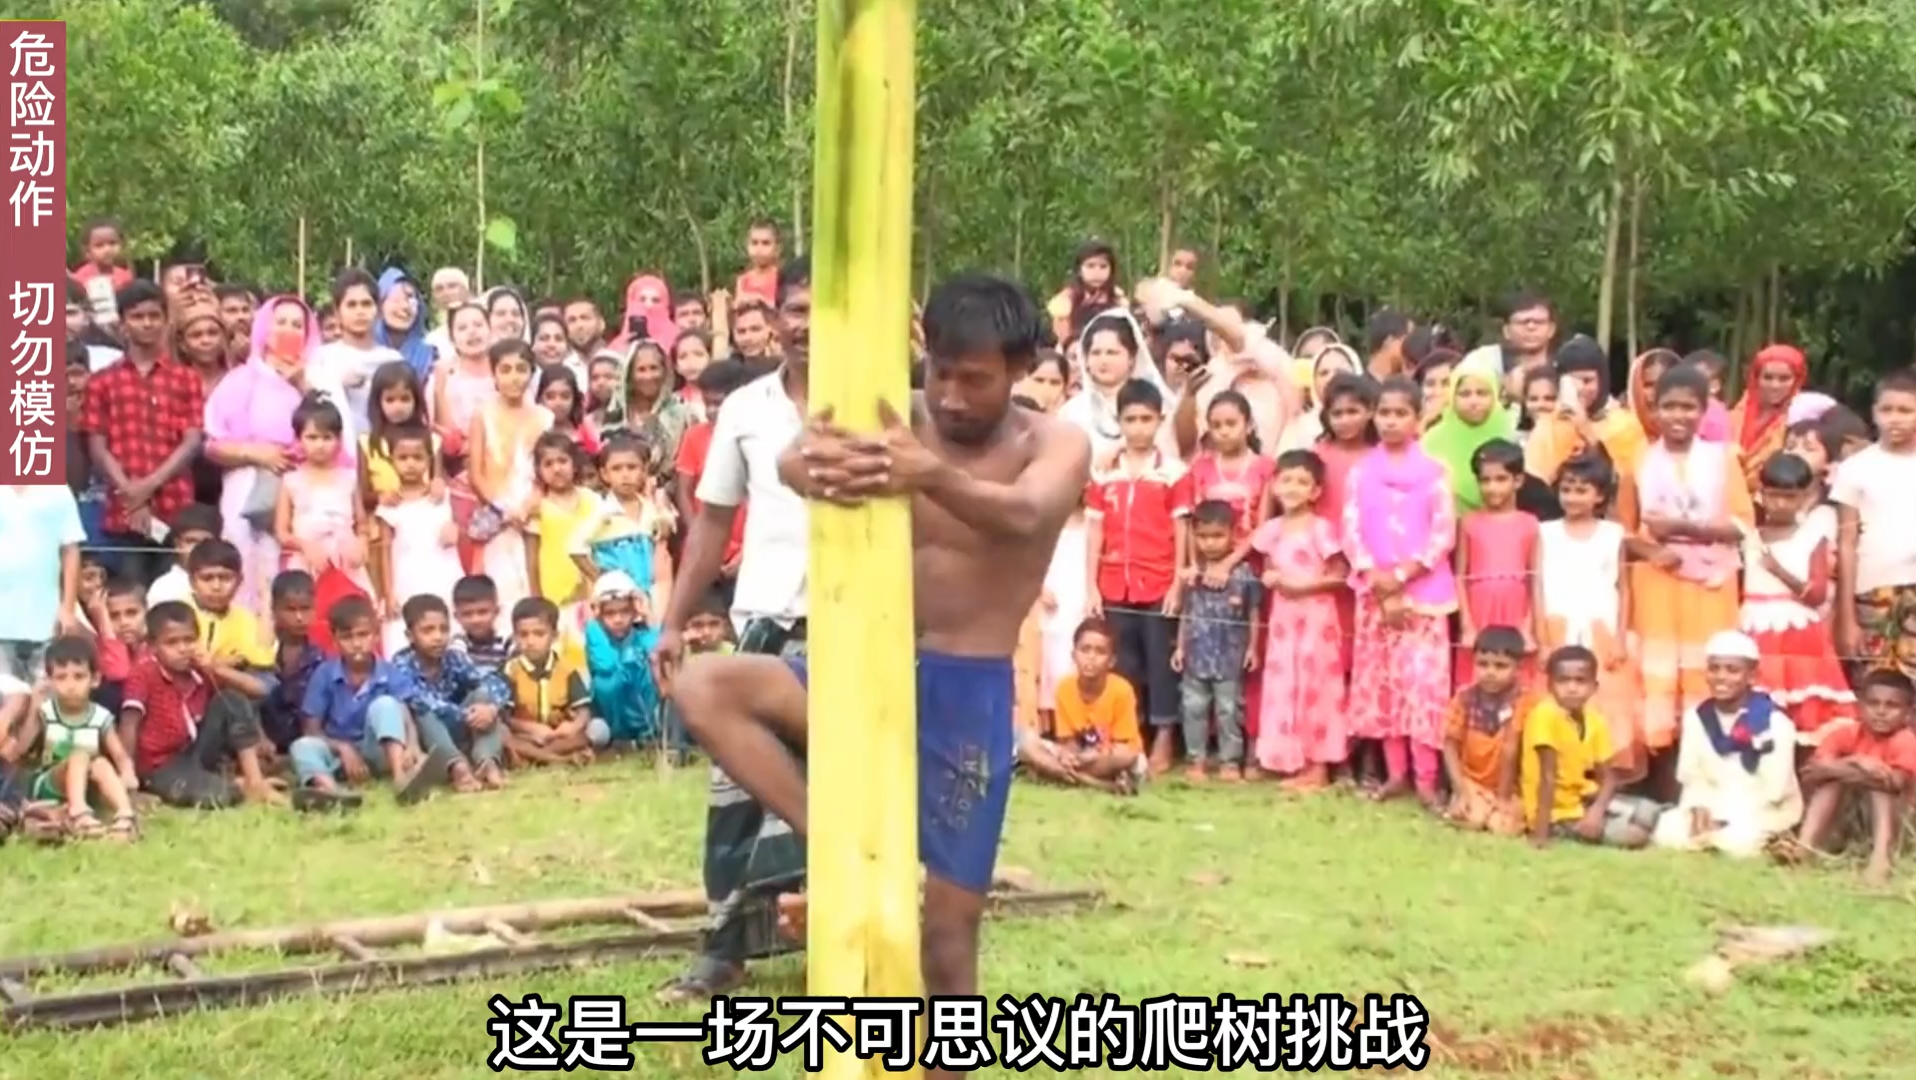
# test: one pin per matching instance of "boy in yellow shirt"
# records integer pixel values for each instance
(1570, 767)
(551, 719)
(230, 634)
(1095, 739)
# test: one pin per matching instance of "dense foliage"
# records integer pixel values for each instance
(1712, 169)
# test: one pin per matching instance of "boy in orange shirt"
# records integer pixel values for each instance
(1873, 761)
(1095, 740)
(1483, 736)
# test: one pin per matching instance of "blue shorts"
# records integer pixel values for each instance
(966, 750)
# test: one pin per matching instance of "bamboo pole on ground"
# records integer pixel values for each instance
(863, 906)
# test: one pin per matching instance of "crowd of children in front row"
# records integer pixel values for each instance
(1519, 652)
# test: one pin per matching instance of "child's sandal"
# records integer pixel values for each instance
(85, 826)
(125, 828)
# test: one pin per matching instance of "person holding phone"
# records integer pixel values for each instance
(1586, 417)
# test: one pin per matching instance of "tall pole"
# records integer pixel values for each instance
(862, 858)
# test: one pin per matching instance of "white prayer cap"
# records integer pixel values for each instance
(1732, 645)
(614, 585)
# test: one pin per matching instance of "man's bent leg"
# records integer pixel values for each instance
(748, 714)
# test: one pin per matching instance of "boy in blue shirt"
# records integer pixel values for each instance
(444, 686)
(356, 726)
(618, 656)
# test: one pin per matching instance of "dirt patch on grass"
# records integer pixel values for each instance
(1559, 1044)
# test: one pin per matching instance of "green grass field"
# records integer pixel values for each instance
(1561, 965)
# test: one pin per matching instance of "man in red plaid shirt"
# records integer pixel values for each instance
(142, 421)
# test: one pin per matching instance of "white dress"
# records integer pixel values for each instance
(423, 563)
(1065, 581)
(1579, 578)
(504, 556)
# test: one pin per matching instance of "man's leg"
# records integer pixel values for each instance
(748, 713)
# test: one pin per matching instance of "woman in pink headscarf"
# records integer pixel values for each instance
(648, 304)
(249, 434)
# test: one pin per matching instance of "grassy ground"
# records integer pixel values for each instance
(1564, 965)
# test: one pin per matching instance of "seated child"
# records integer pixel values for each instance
(1095, 740)
(1871, 762)
(552, 719)
(230, 633)
(618, 654)
(1483, 735)
(443, 686)
(192, 526)
(295, 658)
(708, 632)
(82, 751)
(1570, 768)
(188, 715)
(1736, 760)
(475, 606)
(355, 725)
(18, 733)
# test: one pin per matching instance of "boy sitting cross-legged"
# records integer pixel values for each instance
(188, 715)
(357, 727)
(443, 685)
(1871, 761)
(1096, 742)
(552, 718)
(83, 752)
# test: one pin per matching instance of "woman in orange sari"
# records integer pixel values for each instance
(1761, 419)
(1685, 508)
(1589, 419)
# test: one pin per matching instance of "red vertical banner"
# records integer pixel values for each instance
(33, 249)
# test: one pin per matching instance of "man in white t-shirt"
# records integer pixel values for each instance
(1875, 496)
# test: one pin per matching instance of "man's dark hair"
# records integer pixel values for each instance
(138, 291)
(344, 283)
(214, 554)
(1897, 381)
(1526, 300)
(1140, 392)
(724, 376)
(973, 313)
(1386, 324)
(795, 274)
(234, 290)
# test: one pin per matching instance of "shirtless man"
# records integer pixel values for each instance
(991, 486)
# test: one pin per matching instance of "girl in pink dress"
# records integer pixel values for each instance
(1399, 528)
(1349, 401)
(1300, 731)
(318, 519)
(1496, 557)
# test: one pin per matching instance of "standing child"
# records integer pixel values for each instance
(1399, 528)
(418, 542)
(1350, 403)
(1301, 726)
(1134, 540)
(1876, 547)
(1539, 399)
(1687, 508)
(1217, 643)
(500, 464)
(623, 531)
(397, 403)
(564, 509)
(1583, 595)
(83, 752)
(1232, 470)
(1872, 762)
(319, 518)
(1569, 770)
(1825, 442)
(559, 394)
(1736, 761)
(1496, 554)
(1483, 734)
(1786, 586)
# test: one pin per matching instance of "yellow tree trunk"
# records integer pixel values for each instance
(863, 929)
